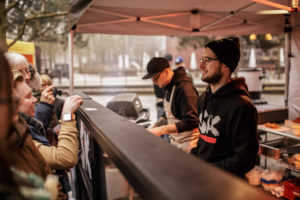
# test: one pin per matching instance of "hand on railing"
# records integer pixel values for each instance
(71, 104)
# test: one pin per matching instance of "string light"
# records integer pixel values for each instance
(268, 36)
(252, 36)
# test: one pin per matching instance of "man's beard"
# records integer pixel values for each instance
(215, 78)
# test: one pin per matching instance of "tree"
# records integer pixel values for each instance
(192, 41)
(32, 19)
(262, 43)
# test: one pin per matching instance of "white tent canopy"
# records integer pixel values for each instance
(177, 17)
(190, 17)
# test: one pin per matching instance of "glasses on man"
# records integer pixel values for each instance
(156, 77)
(207, 60)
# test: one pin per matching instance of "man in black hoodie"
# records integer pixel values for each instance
(227, 118)
(180, 104)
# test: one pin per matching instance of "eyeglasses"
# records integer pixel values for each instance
(25, 72)
(207, 60)
(156, 77)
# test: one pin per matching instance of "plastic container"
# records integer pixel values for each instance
(271, 178)
(254, 175)
(292, 189)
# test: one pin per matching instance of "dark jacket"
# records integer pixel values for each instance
(40, 122)
(37, 131)
(44, 113)
(58, 107)
(228, 128)
(184, 104)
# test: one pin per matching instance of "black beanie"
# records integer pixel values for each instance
(227, 51)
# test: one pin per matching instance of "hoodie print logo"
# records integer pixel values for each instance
(207, 123)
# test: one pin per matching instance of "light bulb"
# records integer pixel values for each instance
(268, 36)
(252, 36)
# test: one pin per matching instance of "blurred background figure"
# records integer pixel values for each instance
(169, 58)
(58, 103)
(179, 62)
(35, 82)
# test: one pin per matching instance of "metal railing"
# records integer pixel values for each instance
(155, 169)
(268, 88)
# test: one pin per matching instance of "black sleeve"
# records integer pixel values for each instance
(185, 107)
(44, 113)
(58, 106)
(245, 141)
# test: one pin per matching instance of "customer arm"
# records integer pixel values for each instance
(161, 130)
(65, 155)
(184, 107)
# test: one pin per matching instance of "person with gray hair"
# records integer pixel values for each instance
(227, 118)
(18, 62)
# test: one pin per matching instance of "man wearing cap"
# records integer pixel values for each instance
(180, 104)
(179, 62)
(160, 94)
(227, 118)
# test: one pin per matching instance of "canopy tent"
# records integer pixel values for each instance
(176, 17)
(190, 17)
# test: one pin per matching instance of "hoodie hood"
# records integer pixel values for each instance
(179, 76)
(235, 87)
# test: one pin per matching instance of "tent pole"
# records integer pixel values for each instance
(71, 73)
(287, 64)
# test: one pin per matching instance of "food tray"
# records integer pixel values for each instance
(274, 148)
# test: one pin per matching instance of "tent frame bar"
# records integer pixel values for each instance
(149, 19)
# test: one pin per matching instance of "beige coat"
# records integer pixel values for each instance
(65, 155)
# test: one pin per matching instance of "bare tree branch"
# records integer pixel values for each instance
(39, 15)
(33, 17)
(12, 5)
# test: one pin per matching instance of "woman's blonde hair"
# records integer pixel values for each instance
(17, 77)
(47, 79)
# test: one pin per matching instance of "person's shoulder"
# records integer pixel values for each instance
(244, 102)
(185, 86)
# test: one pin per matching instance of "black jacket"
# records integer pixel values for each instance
(228, 128)
(184, 104)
